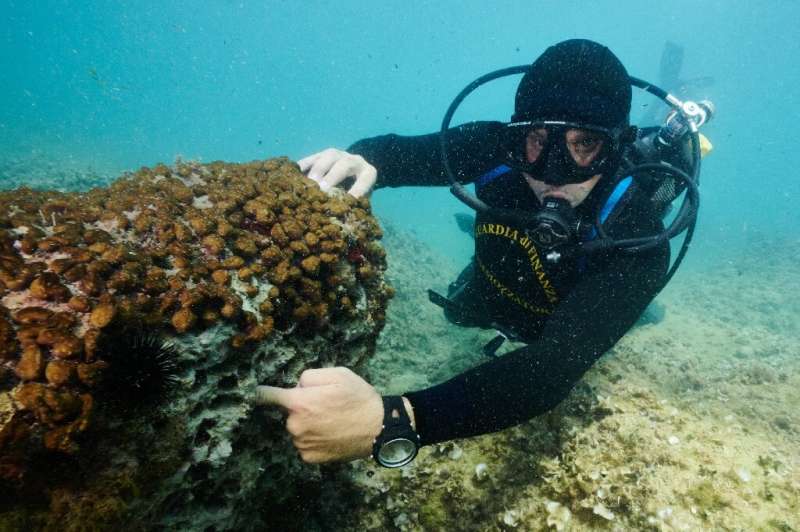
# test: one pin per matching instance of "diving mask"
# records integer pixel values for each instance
(559, 152)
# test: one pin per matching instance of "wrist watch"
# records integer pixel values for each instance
(397, 444)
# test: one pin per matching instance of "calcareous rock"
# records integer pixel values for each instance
(135, 322)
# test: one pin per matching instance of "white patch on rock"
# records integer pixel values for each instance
(132, 215)
(455, 453)
(558, 515)
(202, 202)
(743, 474)
(602, 511)
(191, 180)
(221, 451)
(511, 518)
(251, 304)
(481, 472)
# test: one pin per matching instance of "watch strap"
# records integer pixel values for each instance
(392, 403)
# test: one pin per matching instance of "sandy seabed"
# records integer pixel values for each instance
(690, 423)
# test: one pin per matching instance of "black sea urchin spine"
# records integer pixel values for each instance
(143, 367)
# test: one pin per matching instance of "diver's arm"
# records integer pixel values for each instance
(534, 379)
(416, 160)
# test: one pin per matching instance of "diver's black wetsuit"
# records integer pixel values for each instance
(569, 314)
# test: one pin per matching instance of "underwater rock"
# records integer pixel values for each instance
(136, 320)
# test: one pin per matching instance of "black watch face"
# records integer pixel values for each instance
(397, 452)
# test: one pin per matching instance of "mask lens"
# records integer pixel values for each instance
(534, 147)
(535, 144)
(584, 146)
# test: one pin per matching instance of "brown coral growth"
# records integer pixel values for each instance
(256, 247)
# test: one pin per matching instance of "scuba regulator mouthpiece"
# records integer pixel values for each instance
(554, 225)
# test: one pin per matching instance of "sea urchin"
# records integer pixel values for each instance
(143, 367)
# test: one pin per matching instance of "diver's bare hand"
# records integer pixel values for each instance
(330, 167)
(333, 414)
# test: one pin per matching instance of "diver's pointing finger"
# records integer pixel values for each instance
(273, 395)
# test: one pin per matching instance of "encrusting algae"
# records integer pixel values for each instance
(173, 251)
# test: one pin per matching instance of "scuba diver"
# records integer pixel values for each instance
(571, 244)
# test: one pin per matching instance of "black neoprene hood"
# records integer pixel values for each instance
(576, 81)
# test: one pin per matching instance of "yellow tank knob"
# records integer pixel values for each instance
(705, 145)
